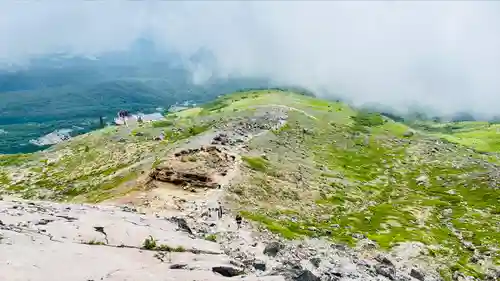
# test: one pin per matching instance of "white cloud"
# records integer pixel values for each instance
(440, 54)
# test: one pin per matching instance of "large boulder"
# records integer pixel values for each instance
(273, 248)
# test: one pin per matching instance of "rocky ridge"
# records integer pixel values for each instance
(99, 242)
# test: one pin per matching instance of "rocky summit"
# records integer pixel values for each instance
(324, 192)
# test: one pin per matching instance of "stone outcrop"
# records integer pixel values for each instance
(194, 167)
(42, 241)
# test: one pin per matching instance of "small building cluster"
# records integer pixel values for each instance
(125, 118)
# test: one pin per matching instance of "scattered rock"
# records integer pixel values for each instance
(129, 209)
(221, 139)
(447, 212)
(178, 266)
(315, 261)
(422, 180)
(307, 131)
(493, 275)
(386, 271)
(468, 245)
(306, 275)
(358, 236)
(237, 263)
(367, 244)
(273, 248)
(384, 260)
(182, 223)
(259, 265)
(417, 274)
(408, 134)
(331, 276)
(43, 221)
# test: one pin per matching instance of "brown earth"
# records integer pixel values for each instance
(196, 167)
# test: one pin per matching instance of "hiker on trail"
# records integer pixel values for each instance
(238, 221)
(220, 211)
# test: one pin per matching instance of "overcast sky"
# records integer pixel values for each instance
(445, 54)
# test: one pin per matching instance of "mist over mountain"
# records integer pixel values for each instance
(436, 54)
(70, 93)
(69, 63)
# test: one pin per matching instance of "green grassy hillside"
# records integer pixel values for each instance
(331, 171)
(479, 135)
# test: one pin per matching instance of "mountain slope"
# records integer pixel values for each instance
(302, 167)
(61, 92)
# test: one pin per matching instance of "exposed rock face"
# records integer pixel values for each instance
(169, 174)
(103, 243)
(196, 167)
(106, 243)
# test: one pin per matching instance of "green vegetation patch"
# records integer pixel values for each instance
(4, 178)
(151, 244)
(373, 182)
(211, 237)
(215, 105)
(256, 163)
(481, 136)
(368, 119)
(14, 159)
(162, 123)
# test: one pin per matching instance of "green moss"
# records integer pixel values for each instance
(94, 242)
(162, 123)
(195, 130)
(215, 105)
(368, 119)
(156, 163)
(151, 244)
(256, 163)
(481, 136)
(273, 225)
(105, 190)
(16, 188)
(14, 159)
(4, 178)
(211, 237)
